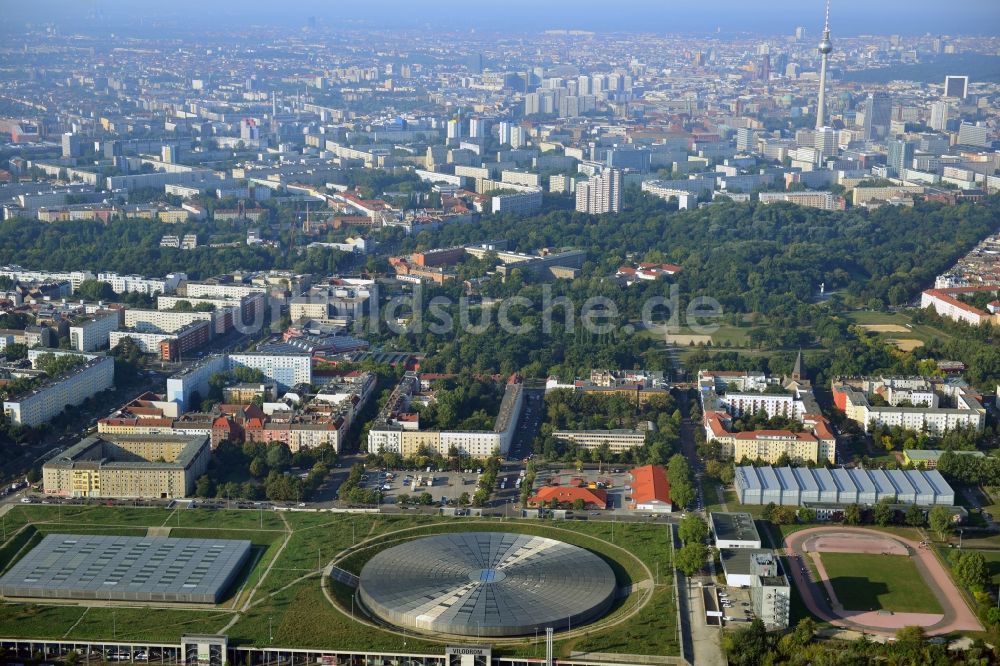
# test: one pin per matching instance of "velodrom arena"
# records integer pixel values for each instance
(487, 584)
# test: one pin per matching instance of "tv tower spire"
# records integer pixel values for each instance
(824, 48)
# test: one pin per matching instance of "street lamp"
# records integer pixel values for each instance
(960, 538)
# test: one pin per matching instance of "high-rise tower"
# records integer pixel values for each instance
(825, 47)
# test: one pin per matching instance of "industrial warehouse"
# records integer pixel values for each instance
(119, 568)
(796, 486)
(487, 584)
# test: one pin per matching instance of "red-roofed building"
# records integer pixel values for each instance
(592, 499)
(650, 489)
(946, 303)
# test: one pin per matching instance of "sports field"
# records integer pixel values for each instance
(866, 582)
(281, 588)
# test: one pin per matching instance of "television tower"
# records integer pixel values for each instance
(825, 47)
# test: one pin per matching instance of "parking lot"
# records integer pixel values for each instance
(612, 480)
(443, 487)
(734, 602)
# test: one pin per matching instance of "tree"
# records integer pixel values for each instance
(34, 475)
(852, 514)
(939, 520)
(203, 487)
(278, 456)
(749, 645)
(806, 515)
(402, 498)
(579, 504)
(464, 499)
(425, 498)
(691, 558)
(971, 570)
(883, 512)
(258, 468)
(915, 516)
(692, 529)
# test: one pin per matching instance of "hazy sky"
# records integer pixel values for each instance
(849, 17)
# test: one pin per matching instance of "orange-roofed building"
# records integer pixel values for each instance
(650, 489)
(596, 499)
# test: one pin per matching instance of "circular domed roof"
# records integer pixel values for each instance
(487, 584)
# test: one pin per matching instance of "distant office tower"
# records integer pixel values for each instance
(70, 145)
(956, 86)
(900, 158)
(532, 104)
(517, 137)
(249, 130)
(824, 48)
(454, 129)
(629, 157)
(878, 116)
(476, 125)
(973, 135)
(800, 33)
(504, 133)
(474, 63)
(746, 139)
(600, 194)
(939, 116)
(825, 141)
(583, 85)
(764, 67)
(168, 154)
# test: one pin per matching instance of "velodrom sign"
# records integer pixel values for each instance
(469, 655)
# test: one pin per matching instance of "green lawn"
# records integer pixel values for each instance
(921, 332)
(879, 582)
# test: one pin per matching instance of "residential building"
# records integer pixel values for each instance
(909, 402)
(617, 441)
(600, 194)
(128, 466)
(94, 332)
(397, 430)
(48, 400)
(947, 304)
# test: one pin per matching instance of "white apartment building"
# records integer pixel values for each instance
(163, 321)
(137, 284)
(47, 401)
(205, 290)
(18, 274)
(852, 399)
(618, 441)
(516, 203)
(600, 194)
(93, 332)
(392, 432)
(821, 200)
(285, 370)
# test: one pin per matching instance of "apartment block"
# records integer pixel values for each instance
(47, 401)
(90, 333)
(149, 466)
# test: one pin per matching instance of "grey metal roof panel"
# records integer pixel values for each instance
(806, 479)
(860, 477)
(787, 478)
(919, 482)
(768, 479)
(824, 479)
(940, 484)
(899, 480)
(843, 480)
